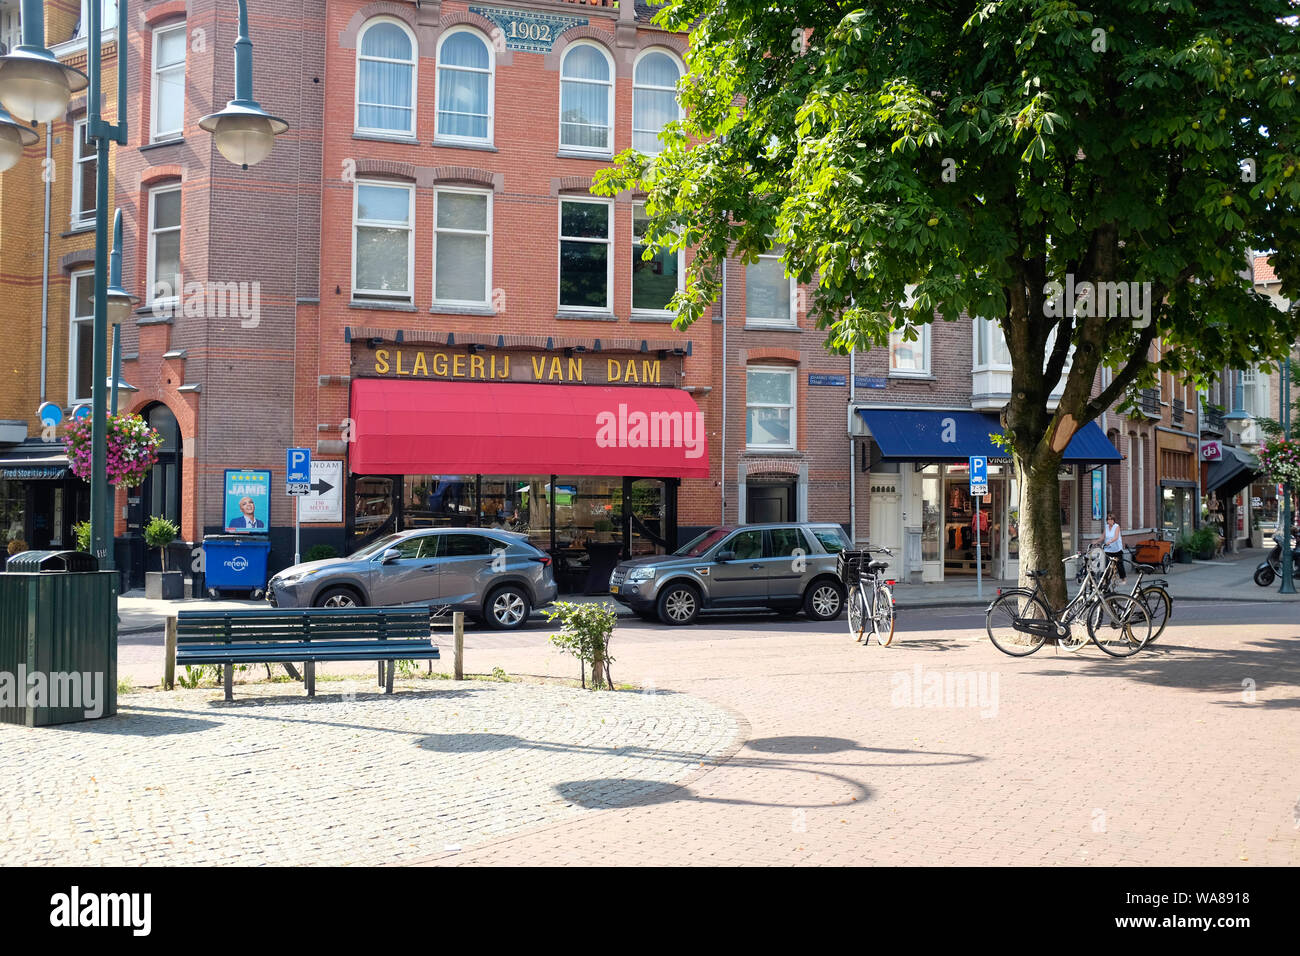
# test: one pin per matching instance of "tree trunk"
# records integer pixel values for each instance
(598, 667)
(1040, 524)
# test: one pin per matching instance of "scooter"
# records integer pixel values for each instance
(1271, 566)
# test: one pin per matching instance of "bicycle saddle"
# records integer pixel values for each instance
(1036, 574)
(1146, 568)
(877, 566)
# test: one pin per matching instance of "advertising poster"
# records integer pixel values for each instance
(248, 501)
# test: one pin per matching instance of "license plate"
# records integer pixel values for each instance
(613, 589)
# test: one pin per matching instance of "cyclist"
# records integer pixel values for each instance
(1112, 543)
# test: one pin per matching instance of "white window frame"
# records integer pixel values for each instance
(681, 71)
(793, 373)
(487, 272)
(73, 321)
(766, 321)
(923, 340)
(681, 275)
(414, 63)
(80, 217)
(608, 152)
(151, 264)
(985, 330)
(438, 135)
(1255, 386)
(609, 255)
(381, 295)
(155, 134)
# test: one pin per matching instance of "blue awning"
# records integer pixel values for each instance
(914, 435)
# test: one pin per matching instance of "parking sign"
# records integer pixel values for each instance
(297, 471)
(979, 475)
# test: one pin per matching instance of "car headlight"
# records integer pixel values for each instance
(641, 574)
(288, 580)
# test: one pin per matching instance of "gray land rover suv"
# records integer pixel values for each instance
(785, 567)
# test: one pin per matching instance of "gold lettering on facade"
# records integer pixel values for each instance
(476, 366)
(400, 370)
(539, 366)
(650, 371)
(420, 368)
(440, 364)
(458, 367)
(381, 361)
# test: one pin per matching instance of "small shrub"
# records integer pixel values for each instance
(499, 674)
(585, 632)
(81, 531)
(319, 552)
(159, 533)
(17, 546)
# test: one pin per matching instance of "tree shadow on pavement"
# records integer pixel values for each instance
(140, 722)
(1248, 669)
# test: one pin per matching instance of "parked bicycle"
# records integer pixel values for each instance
(871, 596)
(1019, 620)
(1155, 594)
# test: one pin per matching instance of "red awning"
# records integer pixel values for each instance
(480, 428)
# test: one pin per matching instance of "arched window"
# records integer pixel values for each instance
(587, 100)
(386, 79)
(654, 99)
(465, 88)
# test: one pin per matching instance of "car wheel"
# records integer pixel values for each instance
(506, 608)
(339, 597)
(823, 601)
(679, 604)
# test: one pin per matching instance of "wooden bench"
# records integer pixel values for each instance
(309, 635)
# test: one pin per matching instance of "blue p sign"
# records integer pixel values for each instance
(297, 465)
(979, 470)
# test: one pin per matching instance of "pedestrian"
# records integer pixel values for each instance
(1112, 543)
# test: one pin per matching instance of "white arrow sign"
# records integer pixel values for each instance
(325, 503)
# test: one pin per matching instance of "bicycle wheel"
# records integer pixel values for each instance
(1161, 608)
(1120, 625)
(857, 616)
(1007, 618)
(882, 624)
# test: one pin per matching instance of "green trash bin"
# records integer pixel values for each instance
(58, 639)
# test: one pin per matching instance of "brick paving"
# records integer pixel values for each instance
(1166, 758)
(275, 778)
(1188, 754)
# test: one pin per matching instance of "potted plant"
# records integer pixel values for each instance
(1183, 549)
(162, 585)
(1204, 543)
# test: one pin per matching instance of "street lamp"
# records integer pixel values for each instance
(34, 86)
(244, 132)
(14, 138)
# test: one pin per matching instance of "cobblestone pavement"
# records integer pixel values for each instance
(276, 778)
(1188, 754)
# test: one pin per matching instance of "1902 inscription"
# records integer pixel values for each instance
(525, 30)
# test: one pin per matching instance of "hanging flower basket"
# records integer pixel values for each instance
(1279, 461)
(132, 448)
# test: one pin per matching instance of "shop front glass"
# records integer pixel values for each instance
(438, 501)
(13, 502)
(1176, 512)
(931, 513)
(1264, 507)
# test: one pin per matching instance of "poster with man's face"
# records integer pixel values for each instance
(248, 501)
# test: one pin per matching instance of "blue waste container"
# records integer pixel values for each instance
(235, 562)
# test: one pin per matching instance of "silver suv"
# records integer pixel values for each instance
(784, 567)
(493, 576)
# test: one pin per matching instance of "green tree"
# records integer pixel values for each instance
(972, 154)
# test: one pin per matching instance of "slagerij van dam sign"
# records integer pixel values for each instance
(535, 368)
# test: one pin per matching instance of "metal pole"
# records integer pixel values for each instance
(979, 551)
(99, 425)
(110, 497)
(1288, 570)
